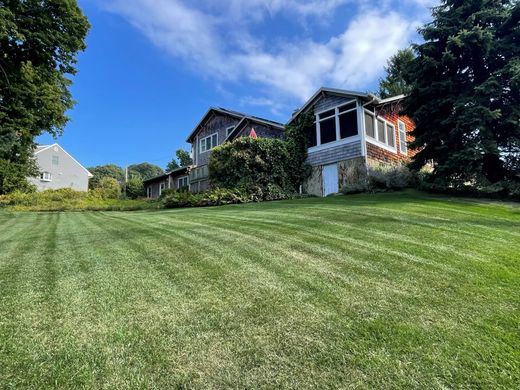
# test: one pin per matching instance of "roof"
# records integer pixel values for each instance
(235, 114)
(41, 148)
(165, 175)
(248, 119)
(343, 92)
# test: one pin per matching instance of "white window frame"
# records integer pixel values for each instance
(382, 144)
(181, 179)
(402, 137)
(229, 130)
(55, 160)
(162, 186)
(46, 176)
(203, 141)
(337, 114)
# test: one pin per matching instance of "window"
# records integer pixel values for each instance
(55, 160)
(208, 143)
(149, 192)
(46, 176)
(403, 146)
(379, 129)
(182, 182)
(335, 124)
(162, 186)
(229, 130)
(369, 125)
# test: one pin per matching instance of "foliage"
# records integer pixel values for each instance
(13, 176)
(222, 196)
(134, 187)
(102, 171)
(394, 83)
(108, 188)
(39, 41)
(297, 137)
(68, 200)
(172, 165)
(145, 171)
(465, 97)
(183, 159)
(248, 162)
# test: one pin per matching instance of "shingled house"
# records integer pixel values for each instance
(216, 127)
(177, 179)
(352, 131)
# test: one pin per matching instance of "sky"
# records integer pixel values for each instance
(152, 68)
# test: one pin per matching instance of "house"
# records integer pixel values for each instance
(58, 169)
(352, 131)
(176, 179)
(216, 127)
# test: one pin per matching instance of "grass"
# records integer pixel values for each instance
(369, 291)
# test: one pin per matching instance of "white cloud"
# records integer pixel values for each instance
(217, 39)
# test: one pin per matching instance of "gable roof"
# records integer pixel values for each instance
(41, 148)
(255, 120)
(234, 114)
(369, 97)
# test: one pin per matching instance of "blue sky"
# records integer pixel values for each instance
(153, 67)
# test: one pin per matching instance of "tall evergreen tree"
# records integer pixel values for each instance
(394, 83)
(465, 98)
(39, 41)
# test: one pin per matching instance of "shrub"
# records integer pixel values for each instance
(247, 162)
(135, 187)
(107, 188)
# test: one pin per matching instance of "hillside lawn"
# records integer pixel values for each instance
(399, 290)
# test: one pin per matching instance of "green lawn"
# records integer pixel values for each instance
(368, 291)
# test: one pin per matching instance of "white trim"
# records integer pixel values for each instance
(182, 178)
(400, 122)
(204, 139)
(381, 145)
(162, 186)
(46, 176)
(336, 116)
(228, 132)
(374, 140)
(339, 106)
(328, 145)
(64, 151)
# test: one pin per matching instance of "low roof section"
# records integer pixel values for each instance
(175, 173)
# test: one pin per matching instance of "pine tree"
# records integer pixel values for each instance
(465, 98)
(394, 83)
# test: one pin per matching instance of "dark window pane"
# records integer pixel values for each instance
(311, 133)
(390, 131)
(381, 130)
(348, 124)
(369, 125)
(328, 130)
(214, 141)
(327, 114)
(347, 107)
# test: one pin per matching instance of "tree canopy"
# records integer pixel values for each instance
(394, 83)
(182, 159)
(102, 171)
(39, 41)
(145, 170)
(465, 96)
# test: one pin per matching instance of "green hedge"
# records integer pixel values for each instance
(251, 163)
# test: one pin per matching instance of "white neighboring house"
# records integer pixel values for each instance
(58, 169)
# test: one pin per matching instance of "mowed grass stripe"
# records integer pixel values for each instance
(297, 294)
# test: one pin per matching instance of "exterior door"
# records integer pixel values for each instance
(330, 179)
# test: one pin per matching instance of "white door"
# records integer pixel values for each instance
(330, 179)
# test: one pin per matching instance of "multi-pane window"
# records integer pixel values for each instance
(55, 160)
(182, 182)
(379, 129)
(208, 143)
(403, 146)
(45, 176)
(335, 124)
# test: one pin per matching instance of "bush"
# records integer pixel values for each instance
(248, 163)
(223, 196)
(135, 187)
(107, 188)
(382, 177)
